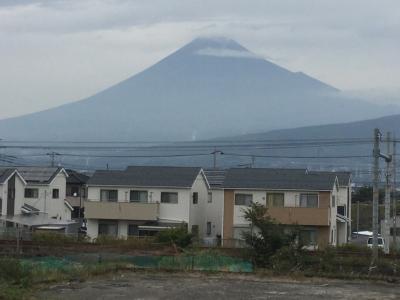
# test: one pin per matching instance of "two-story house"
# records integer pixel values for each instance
(293, 197)
(35, 197)
(142, 200)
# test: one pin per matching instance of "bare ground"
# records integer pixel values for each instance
(152, 285)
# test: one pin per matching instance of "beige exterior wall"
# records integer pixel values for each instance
(322, 219)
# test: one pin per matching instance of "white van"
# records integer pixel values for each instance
(381, 242)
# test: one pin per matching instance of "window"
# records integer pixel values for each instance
(309, 200)
(195, 230)
(74, 191)
(56, 193)
(208, 228)
(1, 206)
(209, 199)
(333, 201)
(243, 199)
(308, 237)
(341, 210)
(31, 193)
(275, 200)
(108, 228)
(195, 198)
(167, 197)
(109, 195)
(138, 196)
(133, 230)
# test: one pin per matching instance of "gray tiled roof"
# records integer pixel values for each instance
(75, 177)
(215, 177)
(5, 173)
(147, 176)
(42, 175)
(343, 176)
(278, 179)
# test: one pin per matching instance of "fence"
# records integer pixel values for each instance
(218, 263)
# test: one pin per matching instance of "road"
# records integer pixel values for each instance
(152, 286)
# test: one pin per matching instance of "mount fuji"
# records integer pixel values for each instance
(209, 88)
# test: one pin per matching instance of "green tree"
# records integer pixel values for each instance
(267, 236)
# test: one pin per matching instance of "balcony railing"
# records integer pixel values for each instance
(121, 210)
(300, 215)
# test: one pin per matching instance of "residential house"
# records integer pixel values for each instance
(143, 200)
(293, 197)
(35, 197)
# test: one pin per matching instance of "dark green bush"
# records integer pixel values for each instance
(12, 271)
(178, 236)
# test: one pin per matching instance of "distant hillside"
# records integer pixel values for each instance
(358, 129)
(208, 88)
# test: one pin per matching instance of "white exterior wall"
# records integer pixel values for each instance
(178, 212)
(45, 202)
(197, 214)
(214, 212)
(183, 211)
(19, 195)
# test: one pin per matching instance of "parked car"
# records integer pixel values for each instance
(381, 242)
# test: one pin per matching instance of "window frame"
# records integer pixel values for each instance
(307, 205)
(195, 198)
(108, 195)
(57, 192)
(140, 192)
(33, 190)
(208, 228)
(209, 197)
(245, 195)
(169, 202)
(273, 199)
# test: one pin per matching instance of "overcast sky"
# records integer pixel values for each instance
(58, 51)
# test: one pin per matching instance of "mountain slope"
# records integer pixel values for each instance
(208, 88)
(358, 129)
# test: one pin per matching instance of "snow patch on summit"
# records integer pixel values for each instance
(224, 52)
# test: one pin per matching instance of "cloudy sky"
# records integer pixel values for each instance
(58, 51)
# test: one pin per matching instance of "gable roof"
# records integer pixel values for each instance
(5, 173)
(39, 175)
(278, 179)
(342, 176)
(75, 177)
(147, 176)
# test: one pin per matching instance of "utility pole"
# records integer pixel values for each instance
(253, 160)
(386, 233)
(358, 215)
(375, 196)
(394, 194)
(375, 193)
(53, 156)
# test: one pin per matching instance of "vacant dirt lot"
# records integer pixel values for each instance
(220, 286)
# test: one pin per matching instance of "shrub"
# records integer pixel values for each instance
(287, 259)
(178, 236)
(268, 236)
(13, 272)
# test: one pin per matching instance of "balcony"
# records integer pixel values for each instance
(300, 215)
(121, 210)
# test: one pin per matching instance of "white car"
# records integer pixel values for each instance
(381, 242)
